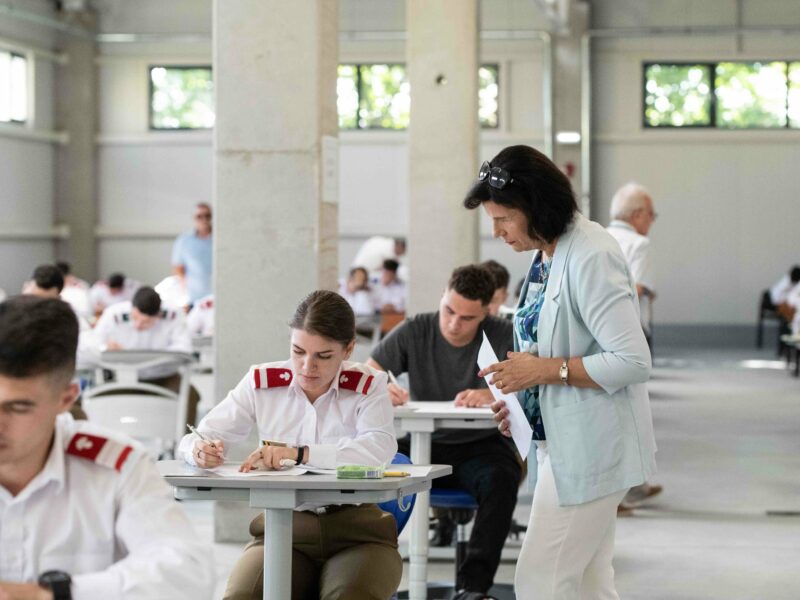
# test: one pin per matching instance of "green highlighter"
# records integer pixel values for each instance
(358, 472)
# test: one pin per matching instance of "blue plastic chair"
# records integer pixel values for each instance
(400, 509)
(462, 507)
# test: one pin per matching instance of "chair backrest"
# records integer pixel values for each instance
(400, 511)
(143, 414)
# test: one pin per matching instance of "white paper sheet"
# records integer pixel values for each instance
(521, 431)
(232, 470)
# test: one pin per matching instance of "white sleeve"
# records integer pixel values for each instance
(180, 340)
(374, 443)
(164, 558)
(103, 329)
(194, 321)
(230, 421)
(642, 266)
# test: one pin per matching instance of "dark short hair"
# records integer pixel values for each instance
(63, 267)
(474, 282)
(539, 190)
(391, 264)
(499, 272)
(147, 301)
(327, 314)
(48, 277)
(794, 274)
(37, 336)
(116, 281)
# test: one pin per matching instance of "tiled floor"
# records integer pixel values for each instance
(728, 430)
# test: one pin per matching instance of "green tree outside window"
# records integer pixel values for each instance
(677, 95)
(181, 98)
(751, 95)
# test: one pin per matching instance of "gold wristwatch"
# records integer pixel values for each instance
(563, 372)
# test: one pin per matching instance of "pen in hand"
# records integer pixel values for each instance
(201, 436)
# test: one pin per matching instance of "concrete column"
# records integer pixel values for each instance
(76, 114)
(442, 60)
(275, 227)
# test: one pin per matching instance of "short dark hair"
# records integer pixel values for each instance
(794, 274)
(499, 272)
(539, 189)
(116, 281)
(474, 282)
(37, 336)
(147, 301)
(48, 277)
(327, 314)
(63, 267)
(391, 264)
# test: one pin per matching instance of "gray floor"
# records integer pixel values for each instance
(728, 430)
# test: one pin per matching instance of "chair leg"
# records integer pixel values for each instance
(760, 333)
(461, 554)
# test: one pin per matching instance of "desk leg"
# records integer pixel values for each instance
(418, 545)
(277, 553)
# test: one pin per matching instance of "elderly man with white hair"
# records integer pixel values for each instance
(632, 215)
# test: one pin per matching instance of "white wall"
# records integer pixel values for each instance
(27, 161)
(726, 200)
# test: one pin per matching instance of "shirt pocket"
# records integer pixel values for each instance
(589, 437)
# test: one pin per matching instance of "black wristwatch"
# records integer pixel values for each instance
(57, 582)
(301, 451)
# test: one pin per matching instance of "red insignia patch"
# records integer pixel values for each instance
(355, 381)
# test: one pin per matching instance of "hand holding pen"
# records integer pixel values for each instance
(397, 394)
(207, 453)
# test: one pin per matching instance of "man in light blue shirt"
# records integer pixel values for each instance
(191, 255)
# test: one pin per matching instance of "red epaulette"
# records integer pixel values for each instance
(355, 381)
(207, 304)
(102, 451)
(168, 315)
(271, 377)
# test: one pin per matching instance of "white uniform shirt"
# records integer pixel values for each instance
(76, 294)
(101, 297)
(351, 423)
(783, 290)
(639, 256)
(168, 333)
(201, 318)
(100, 511)
(396, 294)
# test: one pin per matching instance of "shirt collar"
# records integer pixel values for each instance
(295, 385)
(621, 224)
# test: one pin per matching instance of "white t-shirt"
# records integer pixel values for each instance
(637, 251)
(783, 290)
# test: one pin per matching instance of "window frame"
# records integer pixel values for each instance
(151, 90)
(712, 108)
(28, 88)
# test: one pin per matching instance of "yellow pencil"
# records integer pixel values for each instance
(396, 474)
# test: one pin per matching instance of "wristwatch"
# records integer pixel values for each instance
(57, 582)
(301, 450)
(563, 372)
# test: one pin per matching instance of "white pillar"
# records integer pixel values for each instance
(442, 59)
(274, 227)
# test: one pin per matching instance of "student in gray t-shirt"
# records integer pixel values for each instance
(439, 351)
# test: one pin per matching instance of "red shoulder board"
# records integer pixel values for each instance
(355, 381)
(99, 450)
(208, 303)
(271, 377)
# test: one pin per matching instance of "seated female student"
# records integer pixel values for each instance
(330, 412)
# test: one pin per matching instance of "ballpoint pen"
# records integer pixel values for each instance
(201, 436)
(392, 378)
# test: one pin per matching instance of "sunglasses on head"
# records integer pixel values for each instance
(495, 176)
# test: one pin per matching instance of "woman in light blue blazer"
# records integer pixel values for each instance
(579, 372)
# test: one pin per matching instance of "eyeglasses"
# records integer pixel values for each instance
(203, 216)
(495, 176)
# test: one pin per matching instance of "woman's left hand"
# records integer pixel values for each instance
(521, 371)
(268, 458)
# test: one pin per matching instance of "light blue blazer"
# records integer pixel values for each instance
(599, 441)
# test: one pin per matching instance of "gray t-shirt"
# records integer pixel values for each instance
(438, 371)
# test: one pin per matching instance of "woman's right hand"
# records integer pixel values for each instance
(208, 456)
(501, 416)
(397, 394)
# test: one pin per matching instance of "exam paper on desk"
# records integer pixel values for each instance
(232, 470)
(521, 431)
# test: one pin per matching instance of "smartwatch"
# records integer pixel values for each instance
(57, 582)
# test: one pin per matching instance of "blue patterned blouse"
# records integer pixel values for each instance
(526, 324)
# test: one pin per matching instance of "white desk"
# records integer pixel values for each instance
(278, 496)
(421, 419)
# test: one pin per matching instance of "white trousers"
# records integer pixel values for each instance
(567, 550)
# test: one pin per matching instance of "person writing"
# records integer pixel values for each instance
(579, 373)
(329, 412)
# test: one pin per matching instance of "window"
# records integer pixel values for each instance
(13, 87)
(677, 95)
(378, 96)
(740, 95)
(181, 98)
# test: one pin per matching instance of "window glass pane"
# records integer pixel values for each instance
(751, 94)
(347, 96)
(487, 96)
(677, 95)
(794, 94)
(5, 86)
(19, 88)
(181, 98)
(385, 101)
